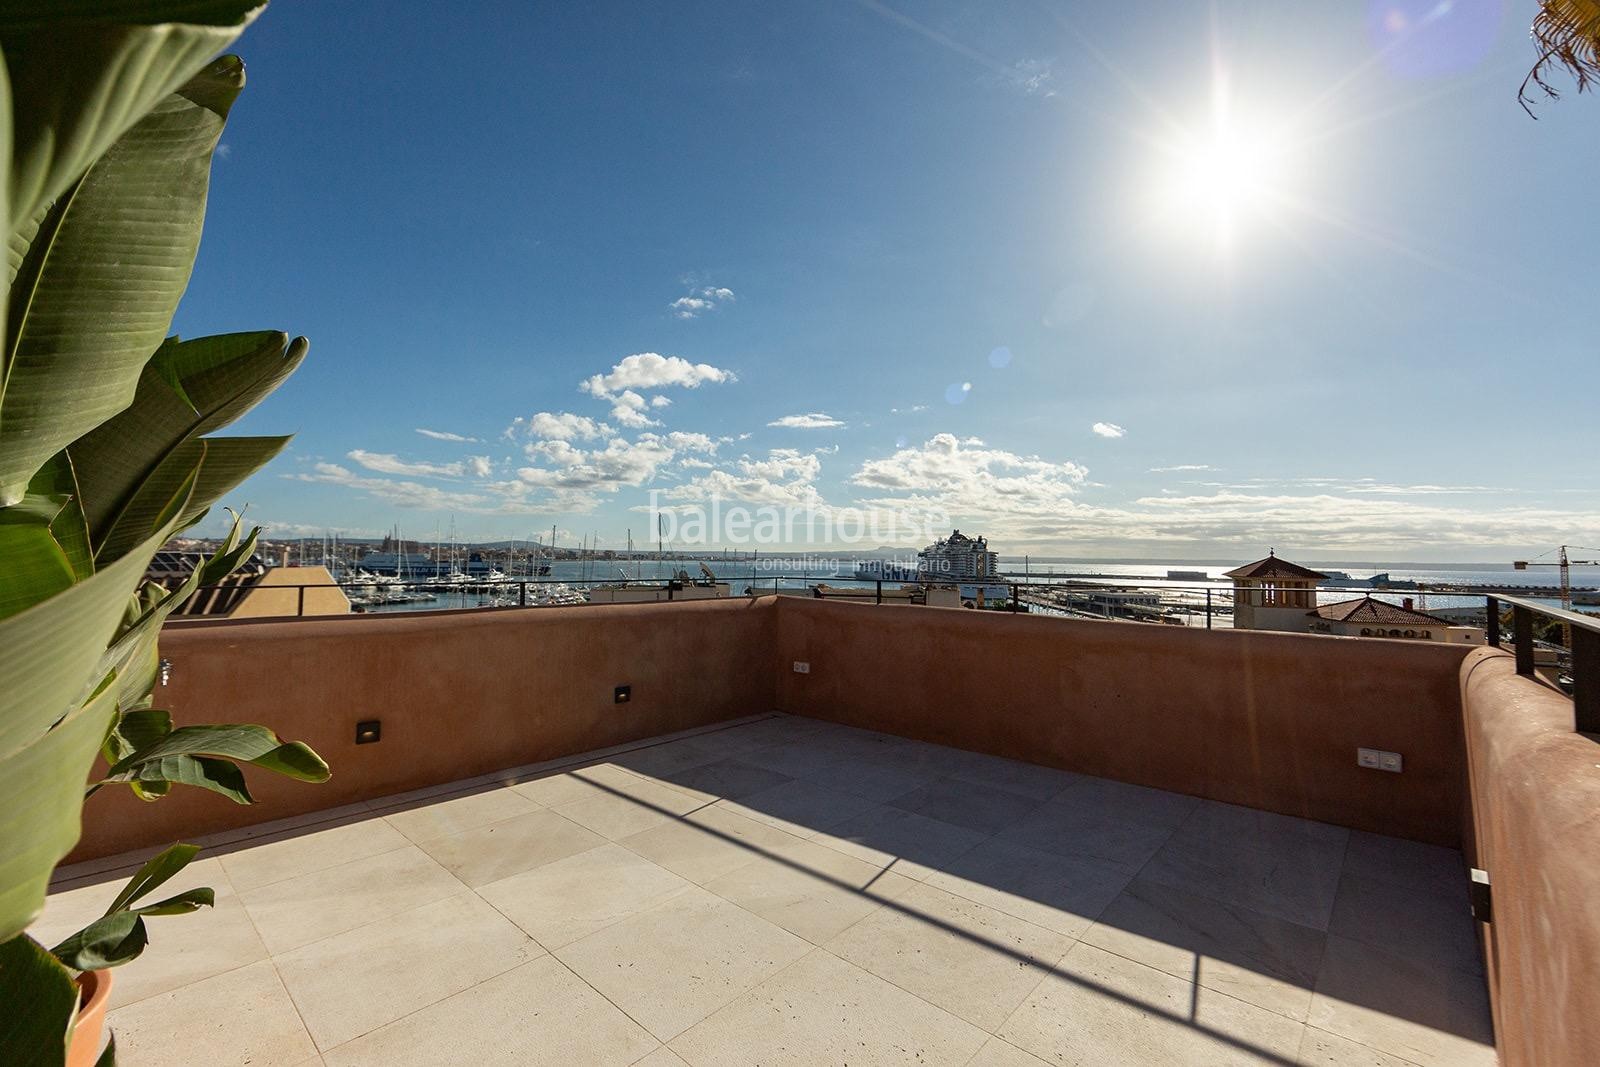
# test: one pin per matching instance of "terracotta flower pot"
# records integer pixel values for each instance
(94, 993)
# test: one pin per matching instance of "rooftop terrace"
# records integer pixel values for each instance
(786, 890)
(944, 837)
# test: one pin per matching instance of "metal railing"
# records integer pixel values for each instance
(1079, 599)
(1583, 650)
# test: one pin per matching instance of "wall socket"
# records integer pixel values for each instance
(802, 667)
(1379, 760)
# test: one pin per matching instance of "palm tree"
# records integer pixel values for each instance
(1568, 35)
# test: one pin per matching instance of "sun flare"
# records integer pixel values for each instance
(1222, 176)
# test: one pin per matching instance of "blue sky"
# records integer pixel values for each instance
(1096, 279)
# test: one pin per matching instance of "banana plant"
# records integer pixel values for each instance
(109, 114)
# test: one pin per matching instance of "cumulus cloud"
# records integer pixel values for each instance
(480, 466)
(445, 435)
(564, 426)
(628, 408)
(816, 420)
(782, 478)
(405, 494)
(1108, 429)
(692, 442)
(699, 301)
(650, 371)
(388, 463)
(617, 465)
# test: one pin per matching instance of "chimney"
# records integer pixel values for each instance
(1407, 601)
(285, 555)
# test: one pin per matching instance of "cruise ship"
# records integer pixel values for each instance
(963, 561)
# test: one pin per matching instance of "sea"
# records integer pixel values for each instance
(797, 574)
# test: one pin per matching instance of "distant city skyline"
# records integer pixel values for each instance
(1088, 280)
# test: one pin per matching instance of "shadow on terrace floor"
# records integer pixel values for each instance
(786, 887)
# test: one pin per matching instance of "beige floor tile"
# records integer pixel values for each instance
(671, 966)
(810, 890)
(1217, 822)
(1069, 829)
(795, 759)
(662, 760)
(724, 778)
(1426, 927)
(615, 815)
(1261, 960)
(426, 820)
(294, 853)
(1060, 893)
(512, 846)
(708, 844)
(579, 783)
(1318, 1048)
(910, 844)
(996, 1053)
(823, 1010)
(1105, 1010)
(977, 807)
(876, 780)
(1423, 1014)
(538, 1015)
(357, 981)
(1411, 863)
(662, 1057)
(799, 807)
(326, 902)
(571, 898)
(1014, 776)
(241, 1017)
(1133, 803)
(1292, 878)
(972, 961)
(183, 948)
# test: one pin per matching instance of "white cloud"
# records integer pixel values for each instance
(629, 410)
(1108, 429)
(784, 479)
(445, 435)
(400, 494)
(660, 401)
(782, 464)
(388, 463)
(565, 426)
(479, 466)
(619, 464)
(692, 442)
(1183, 467)
(816, 420)
(699, 301)
(650, 370)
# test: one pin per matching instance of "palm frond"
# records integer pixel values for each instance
(1567, 33)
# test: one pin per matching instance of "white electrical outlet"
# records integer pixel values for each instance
(1379, 760)
(802, 667)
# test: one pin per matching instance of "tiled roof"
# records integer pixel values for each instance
(1273, 567)
(1366, 609)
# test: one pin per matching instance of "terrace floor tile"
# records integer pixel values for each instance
(786, 891)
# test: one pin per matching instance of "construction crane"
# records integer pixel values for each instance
(1566, 564)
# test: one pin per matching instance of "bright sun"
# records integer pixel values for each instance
(1220, 178)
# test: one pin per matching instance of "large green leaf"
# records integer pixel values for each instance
(49, 653)
(33, 564)
(41, 802)
(84, 71)
(188, 389)
(199, 755)
(94, 294)
(41, 1002)
(119, 935)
